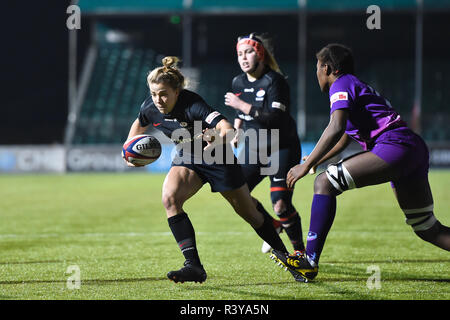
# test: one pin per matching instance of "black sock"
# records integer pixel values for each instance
(184, 234)
(261, 209)
(268, 234)
(292, 224)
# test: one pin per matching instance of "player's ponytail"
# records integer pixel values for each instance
(170, 62)
(168, 73)
(272, 63)
(269, 58)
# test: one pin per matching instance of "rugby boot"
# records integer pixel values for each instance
(303, 265)
(190, 272)
(280, 258)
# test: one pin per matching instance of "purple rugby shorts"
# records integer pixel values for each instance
(405, 150)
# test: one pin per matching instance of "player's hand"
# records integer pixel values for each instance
(232, 100)
(313, 169)
(235, 141)
(129, 164)
(210, 135)
(295, 174)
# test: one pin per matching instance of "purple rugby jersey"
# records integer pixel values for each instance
(369, 113)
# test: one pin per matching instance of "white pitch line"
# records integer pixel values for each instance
(109, 234)
(165, 233)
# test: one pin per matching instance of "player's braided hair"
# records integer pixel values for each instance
(168, 73)
(338, 57)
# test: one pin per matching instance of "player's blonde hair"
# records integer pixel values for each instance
(168, 73)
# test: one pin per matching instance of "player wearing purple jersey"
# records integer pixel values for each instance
(393, 152)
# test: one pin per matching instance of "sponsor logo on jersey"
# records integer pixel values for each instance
(338, 96)
(245, 117)
(157, 124)
(311, 236)
(211, 117)
(249, 90)
(278, 105)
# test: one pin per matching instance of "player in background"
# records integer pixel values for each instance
(170, 107)
(393, 152)
(261, 98)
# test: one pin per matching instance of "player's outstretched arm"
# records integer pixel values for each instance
(238, 124)
(330, 137)
(337, 149)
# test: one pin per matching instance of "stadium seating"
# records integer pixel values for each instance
(117, 88)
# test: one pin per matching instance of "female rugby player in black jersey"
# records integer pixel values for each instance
(261, 99)
(172, 109)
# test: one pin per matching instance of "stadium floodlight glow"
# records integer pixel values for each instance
(114, 36)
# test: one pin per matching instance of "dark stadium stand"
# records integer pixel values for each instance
(117, 82)
(116, 90)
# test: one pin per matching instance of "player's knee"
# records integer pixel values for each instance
(170, 202)
(323, 186)
(279, 206)
(339, 177)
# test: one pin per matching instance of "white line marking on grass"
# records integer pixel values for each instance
(109, 234)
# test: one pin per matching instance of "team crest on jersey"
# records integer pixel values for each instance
(260, 95)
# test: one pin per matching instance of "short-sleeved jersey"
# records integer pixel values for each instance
(370, 114)
(190, 107)
(269, 94)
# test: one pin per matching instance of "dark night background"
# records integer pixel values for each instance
(34, 72)
(34, 57)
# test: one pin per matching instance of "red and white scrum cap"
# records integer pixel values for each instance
(253, 41)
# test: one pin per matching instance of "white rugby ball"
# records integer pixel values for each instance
(141, 150)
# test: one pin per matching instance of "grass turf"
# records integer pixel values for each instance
(113, 227)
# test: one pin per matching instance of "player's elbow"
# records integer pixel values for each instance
(336, 129)
(271, 119)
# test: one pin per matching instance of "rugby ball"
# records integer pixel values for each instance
(141, 150)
